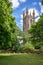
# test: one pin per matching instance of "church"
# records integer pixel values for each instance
(28, 19)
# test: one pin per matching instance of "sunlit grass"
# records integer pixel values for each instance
(9, 54)
(21, 59)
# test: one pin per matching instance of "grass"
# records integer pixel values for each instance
(21, 59)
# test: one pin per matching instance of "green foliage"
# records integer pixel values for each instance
(25, 38)
(36, 32)
(41, 48)
(21, 34)
(27, 47)
(42, 2)
(5, 34)
(8, 37)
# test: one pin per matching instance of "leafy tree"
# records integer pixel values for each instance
(4, 23)
(42, 2)
(22, 35)
(36, 32)
(8, 37)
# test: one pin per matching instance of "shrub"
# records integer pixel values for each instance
(26, 47)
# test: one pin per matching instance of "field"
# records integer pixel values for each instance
(21, 59)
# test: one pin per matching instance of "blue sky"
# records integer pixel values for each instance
(19, 6)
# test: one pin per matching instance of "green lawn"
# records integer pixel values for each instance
(21, 59)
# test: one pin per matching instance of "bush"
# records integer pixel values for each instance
(41, 48)
(37, 47)
(28, 47)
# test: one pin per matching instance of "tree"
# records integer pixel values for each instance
(42, 2)
(7, 26)
(36, 32)
(4, 23)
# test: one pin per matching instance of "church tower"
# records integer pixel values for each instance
(28, 20)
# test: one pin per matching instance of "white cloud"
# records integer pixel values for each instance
(22, 0)
(37, 19)
(21, 22)
(15, 3)
(21, 16)
(40, 3)
(41, 7)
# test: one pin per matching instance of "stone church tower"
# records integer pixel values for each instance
(28, 20)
